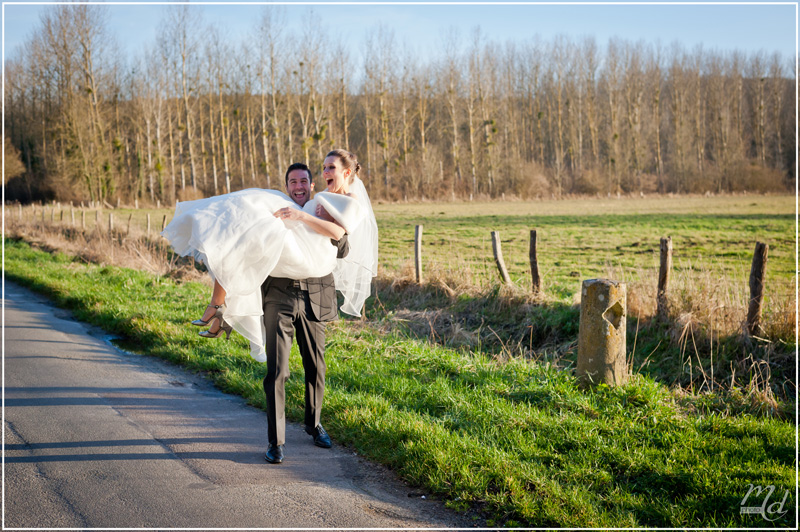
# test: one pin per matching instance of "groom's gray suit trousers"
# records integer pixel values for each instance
(287, 308)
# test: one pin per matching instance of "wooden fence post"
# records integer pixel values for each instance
(97, 220)
(164, 223)
(536, 279)
(83, 219)
(757, 271)
(662, 303)
(53, 214)
(72, 215)
(418, 252)
(148, 224)
(19, 206)
(110, 223)
(136, 203)
(128, 230)
(498, 257)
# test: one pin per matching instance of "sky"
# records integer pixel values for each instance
(749, 27)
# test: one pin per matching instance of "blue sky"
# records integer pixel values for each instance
(750, 27)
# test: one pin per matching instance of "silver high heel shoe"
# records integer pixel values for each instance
(224, 327)
(217, 315)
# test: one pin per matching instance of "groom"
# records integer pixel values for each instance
(302, 306)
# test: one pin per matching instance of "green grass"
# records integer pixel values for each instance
(515, 442)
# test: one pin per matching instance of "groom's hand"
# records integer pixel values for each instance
(287, 213)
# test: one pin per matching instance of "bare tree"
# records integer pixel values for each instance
(451, 78)
(654, 76)
(634, 107)
(269, 39)
(776, 90)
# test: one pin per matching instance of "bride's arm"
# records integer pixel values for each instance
(330, 229)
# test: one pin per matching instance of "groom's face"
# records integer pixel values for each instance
(299, 186)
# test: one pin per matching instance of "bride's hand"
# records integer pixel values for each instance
(322, 214)
(287, 213)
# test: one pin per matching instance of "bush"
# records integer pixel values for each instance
(190, 194)
(747, 176)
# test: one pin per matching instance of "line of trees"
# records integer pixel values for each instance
(196, 115)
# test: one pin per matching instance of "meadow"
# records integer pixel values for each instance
(465, 387)
(587, 238)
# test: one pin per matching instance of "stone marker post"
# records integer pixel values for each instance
(601, 336)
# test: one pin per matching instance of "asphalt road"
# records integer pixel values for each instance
(99, 438)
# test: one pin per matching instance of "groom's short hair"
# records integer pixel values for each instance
(298, 166)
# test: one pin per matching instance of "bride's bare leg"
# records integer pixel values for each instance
(217, 298)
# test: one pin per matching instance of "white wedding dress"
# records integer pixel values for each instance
(241, 243)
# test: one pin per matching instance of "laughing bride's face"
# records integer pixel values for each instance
(335, 175)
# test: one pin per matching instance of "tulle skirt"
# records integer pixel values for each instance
(241, 243)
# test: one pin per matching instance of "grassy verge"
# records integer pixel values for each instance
(513, 440)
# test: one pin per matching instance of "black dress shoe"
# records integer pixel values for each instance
(321, 438)
(274, 454)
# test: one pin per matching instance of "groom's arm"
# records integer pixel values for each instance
(342, 246)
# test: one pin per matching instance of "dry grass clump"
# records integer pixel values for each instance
(454, 307)
(438, 326)
(131, 249)
(713, 358)
(452, 281)
(460, 281)
(704, 299)
(756, 397)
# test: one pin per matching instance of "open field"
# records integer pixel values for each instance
(587, 238)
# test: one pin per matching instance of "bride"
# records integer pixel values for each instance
(245, 236)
